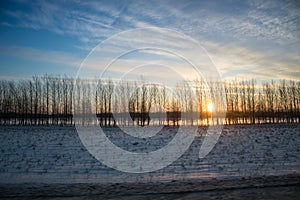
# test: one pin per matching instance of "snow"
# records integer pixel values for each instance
(56, 155)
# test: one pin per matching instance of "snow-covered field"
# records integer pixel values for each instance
(56, 155)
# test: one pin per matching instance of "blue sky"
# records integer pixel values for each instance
(244, 39)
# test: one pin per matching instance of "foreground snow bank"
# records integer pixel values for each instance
(265, 187)
(56, 155)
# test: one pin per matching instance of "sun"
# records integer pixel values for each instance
(210, 107)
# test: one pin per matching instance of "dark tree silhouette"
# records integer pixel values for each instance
(49, 100)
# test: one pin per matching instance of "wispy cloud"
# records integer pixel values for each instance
(55, 57)
(235, 61)
(245, 39)
(96, 20)
(86, 23)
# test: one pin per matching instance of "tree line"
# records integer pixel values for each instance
(50, 100)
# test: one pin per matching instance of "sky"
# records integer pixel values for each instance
(243, 39)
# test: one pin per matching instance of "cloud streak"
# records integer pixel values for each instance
(245, 39)
(96, 20)
(55, 57)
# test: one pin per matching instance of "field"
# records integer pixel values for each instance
(51, 161)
